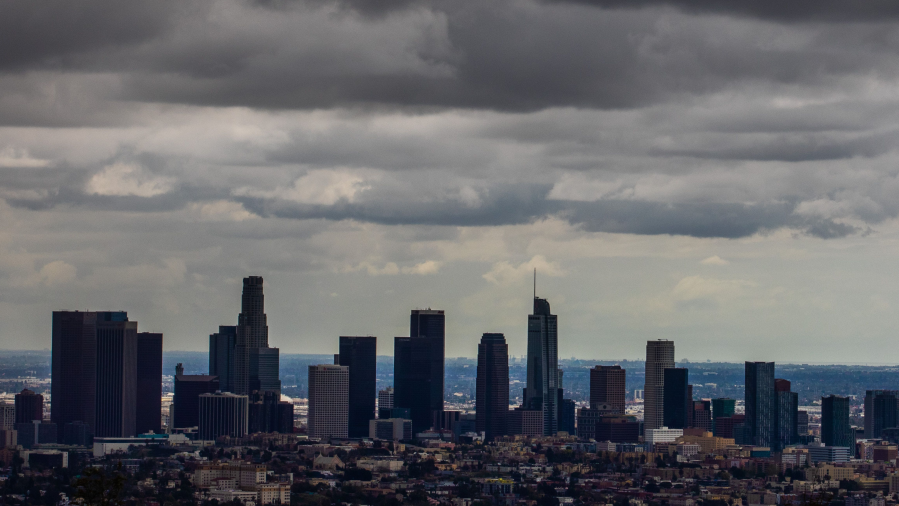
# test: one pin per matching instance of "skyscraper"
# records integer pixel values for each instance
(188, 388)
(254, 369)
(761, 412)
(73, 387)
(149, 383)
(419, 369)
(542, 392)
(116, 378)
(221, 356)
(29, 406)
(659, 356)
(676, 398)
(723, 407)
(787, 403)
(328, 399)
(385, 402)
(492, 393)
(607, 387)
(359, 354)
(880, 414)
(835, 429)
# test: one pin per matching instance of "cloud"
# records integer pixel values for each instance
(122, 179)
(11, 157)
(714, 260)
(57, 272)
(693, 288)
(316, 187)
(506, 273)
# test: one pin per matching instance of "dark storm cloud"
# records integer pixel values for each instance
(774, 10)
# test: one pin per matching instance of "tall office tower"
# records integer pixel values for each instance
(267, 413)
(7, 416)
(492, 393)
(149, 383)
(885, 412)
(880, 411)
(607, 387)
(676, 400)
(73, 386)
(385, 402)
(116, 379)
(29, 406)
(761, 412)
(188, 388)
(542, 390)
(222, 414)
(221, 356)
(418, 369)
(835, 429)
(787, 403)
(659, 356)
(568, 416)
(328, 397)
(254, 369)
(359, 353)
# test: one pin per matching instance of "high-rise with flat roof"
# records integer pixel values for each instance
(419, 369)
(881, 411)
(543, 390)
(222, 414)
(359, 354)
(29, 406)
(328, 401)
(787, 404)
(759, 428)
(188, 388)
(116, 379)
(149, 383)
(659, 356)
(676, 398)
(385, 402)
(73, 386)
(835, 428)
(607, 387)
(492, 389)
(221, 355)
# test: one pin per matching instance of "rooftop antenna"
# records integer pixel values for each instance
(535, 282)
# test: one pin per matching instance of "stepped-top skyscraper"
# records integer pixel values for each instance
(543, 390)
(255, 364)
(418, 368)
(659, 356)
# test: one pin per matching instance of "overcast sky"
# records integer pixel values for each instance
(723, 174)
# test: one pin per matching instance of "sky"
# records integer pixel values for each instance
(722, 174)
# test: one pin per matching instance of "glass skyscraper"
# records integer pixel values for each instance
(419, 368)
(359, 354)
(761, 411)
(492, 390)
(543, 390)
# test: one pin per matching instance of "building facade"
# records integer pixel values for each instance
(787, 405)
(607, 387)
(492, 388)
(359, 354)
(659, 356)
(385, 402)
(676, 398)
(255, 363)
(835, 428)
(185, 409)
(222, 414)
(419, 369)
(328, 401)
(543, 389)
(29, 406)
(149, 383)
(116, 379)
(761, 411)
(221, 356)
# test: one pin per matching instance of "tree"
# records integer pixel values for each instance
(95, 487)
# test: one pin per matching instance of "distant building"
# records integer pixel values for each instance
(802, 422)
(222, 414)
(255, 363)
(492, 387)
(116, 379)
(607, 387)
(828, 454)
(702, 415)
(761, 411)
(35, 433)
(659, 356)
(588, 417)
(835, 428)
(185, 409)
(787, 404)
(328, 401)
(526, 422)
(221, 356)
(730, 426)
(618, 429)
(661, 435)
(359, 353)
(395, 429)
(267, 413)
(29, 406)
(149, 383)
(543, 388)
(7, 416)
(385, 402)
(419, 368)
(76, 434)
(676, 398)
(723, 407)
(567, 416)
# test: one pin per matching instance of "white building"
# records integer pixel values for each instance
(661, 435)
(328, 401)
